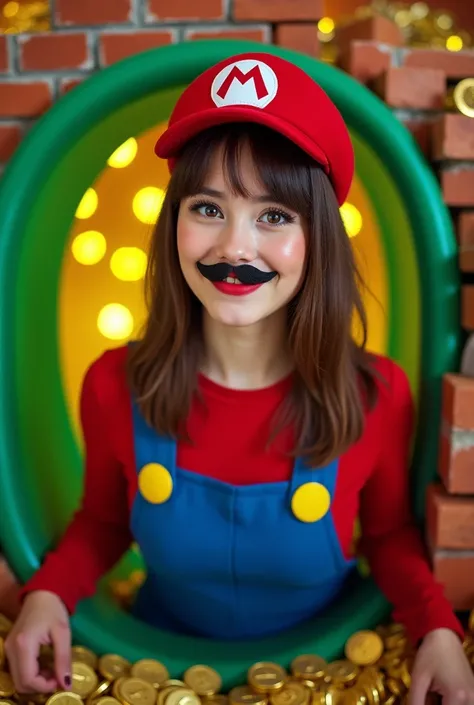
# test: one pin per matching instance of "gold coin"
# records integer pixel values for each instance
(135, 691)
(203, 680)
(292, 693)
(364, 648)
(5, 626)
(463, 96)
(371, 693)
(151, 671)
(80, 653)
(182, 696)
(308, 666)
(243, 695)
(173, 681)
(107, 700)
(266, 677)
(84, 679)
(164, 691)
(217, 699)
(325, 695)
(341, 671)
(64, 698)
(7, 689)
(112, 666)
(101, 690)
(394, 686)
(354, 696)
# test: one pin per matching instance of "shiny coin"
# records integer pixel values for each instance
(164, 691)
(80, 653)
(112, 666)
(308, 666)
(101, 690)
(203, 680)
(106, 700)
(173, 681)
(151, 671)
(292, 693)
(265, 677)
(243, 695)
(394, 686)
(64, 698)
(217, 699)
(7, 689)
(364, 648)
(182, 696)
(325, 695)
(341, 671)
(354, 696)
(370, 692)
(463, 96)
(84, 679)
(135, 691)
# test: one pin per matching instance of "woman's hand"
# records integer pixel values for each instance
(43, 620)
(441, 666)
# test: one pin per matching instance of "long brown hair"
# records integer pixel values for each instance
(333, 378)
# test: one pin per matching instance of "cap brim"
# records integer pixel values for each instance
(175, 137)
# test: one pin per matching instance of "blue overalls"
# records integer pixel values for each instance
(230, 562)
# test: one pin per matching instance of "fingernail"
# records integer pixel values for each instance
(67, 680)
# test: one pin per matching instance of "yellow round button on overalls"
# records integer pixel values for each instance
(155, 483)
(310, 502)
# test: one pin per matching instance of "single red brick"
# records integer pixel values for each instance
(3, 54)
(453, 137)
(467, 306)
(169, 10)
(117, 46)
(51, 52)
(449, 519)
(455, 64)
(457, 184)
(421, 130)
(454, 570)
(92, 12)
(465, 233)
(255, 35)
(10, 138)
(298, 36)
(456, 460)
(68, 84)
(377, 29)
(277, 10)
(423, 89)
(458, 401)
(24, 99)
(365, 61)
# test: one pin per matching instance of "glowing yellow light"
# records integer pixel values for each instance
(88, 204)
(326, 25)
(115, 322)
(124, 155)
(444, 21)
(419, 10)
(11, 9)
(454, 43)
(89, 247)
(352, 219)
(147, 204)
(128, 264)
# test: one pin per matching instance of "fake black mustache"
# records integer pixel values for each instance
(245, 273)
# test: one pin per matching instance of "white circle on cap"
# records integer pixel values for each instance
(245, 82)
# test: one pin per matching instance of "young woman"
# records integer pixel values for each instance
(237, 441)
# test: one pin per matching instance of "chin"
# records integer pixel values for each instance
(230, 316)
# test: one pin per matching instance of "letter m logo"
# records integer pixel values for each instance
(246, 82)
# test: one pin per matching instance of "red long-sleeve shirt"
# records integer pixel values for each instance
(372, 483)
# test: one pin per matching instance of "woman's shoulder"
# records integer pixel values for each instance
(106, 377)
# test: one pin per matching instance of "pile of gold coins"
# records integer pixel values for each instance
(375, 670)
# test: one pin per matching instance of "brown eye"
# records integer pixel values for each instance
(211, 211)
(274, 218)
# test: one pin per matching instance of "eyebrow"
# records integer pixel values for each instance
(264, 198)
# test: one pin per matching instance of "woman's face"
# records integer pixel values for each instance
(216, 226)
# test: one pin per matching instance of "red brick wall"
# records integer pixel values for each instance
(88, 35)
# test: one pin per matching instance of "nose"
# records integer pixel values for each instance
(237, 241)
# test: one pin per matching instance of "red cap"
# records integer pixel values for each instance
(266, 89)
